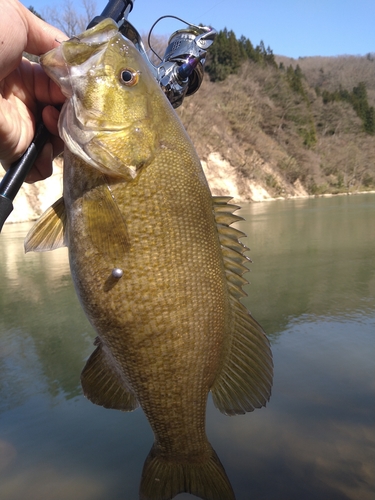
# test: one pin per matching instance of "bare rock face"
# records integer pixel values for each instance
(224, 180)
(33, 199)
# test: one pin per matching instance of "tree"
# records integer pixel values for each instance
(369, 121)
(358, 99)
(33, 11)
(225, 56)
(68, 19)
(247, 47)
(228, 53)
(294, 77)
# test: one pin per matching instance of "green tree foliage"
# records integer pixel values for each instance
(228, 53)
(369, 121)
(247, 48)
(307, 130)
(294, 78)
(358, 99)
(33, 11)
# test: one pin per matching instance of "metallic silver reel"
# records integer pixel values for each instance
(180, 72)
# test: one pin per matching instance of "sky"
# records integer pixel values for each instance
(293, 28)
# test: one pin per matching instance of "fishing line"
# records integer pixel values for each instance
(214, 7)
(178, 19)
(156, 22)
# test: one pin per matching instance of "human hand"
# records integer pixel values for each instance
(26, 92)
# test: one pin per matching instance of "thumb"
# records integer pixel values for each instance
(41, 36)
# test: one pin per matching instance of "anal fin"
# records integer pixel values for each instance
(103, 386)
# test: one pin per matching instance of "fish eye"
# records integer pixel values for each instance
(129, 77)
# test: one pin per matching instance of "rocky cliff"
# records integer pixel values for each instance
(224, 180)
(33, 199)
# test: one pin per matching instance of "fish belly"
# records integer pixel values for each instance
(163, 324)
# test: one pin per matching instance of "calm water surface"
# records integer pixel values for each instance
(312, 288)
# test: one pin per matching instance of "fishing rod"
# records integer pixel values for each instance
(179, 73)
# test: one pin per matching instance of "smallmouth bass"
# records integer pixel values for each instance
(155, 263)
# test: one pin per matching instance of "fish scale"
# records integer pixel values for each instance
(175, 268)
(155, 262)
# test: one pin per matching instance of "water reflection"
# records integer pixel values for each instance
(40, 316)
(320, 421)
(311, 256)
(312, 287)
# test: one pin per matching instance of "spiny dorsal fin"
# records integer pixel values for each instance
(230, 241)
(221, 200)
(102, 385)
(235, 266)
(230, 232)
(230, 254)
(226, 218)
(233, 250)
(245, 380)
(235, 278)
(48, 233)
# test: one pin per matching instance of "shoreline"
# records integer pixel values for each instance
(223, 180)
(303, 197)
(237, 200)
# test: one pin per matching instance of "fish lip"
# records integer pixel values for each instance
(54, 65)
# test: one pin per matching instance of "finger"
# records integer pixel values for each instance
(50, 116)
(57, 145)
(42, 167)
(41, 36)
(46, 90)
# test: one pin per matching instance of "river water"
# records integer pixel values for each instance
(313, 290)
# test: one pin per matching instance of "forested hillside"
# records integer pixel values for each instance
(285, 123)
(264, 126)
(303, 126)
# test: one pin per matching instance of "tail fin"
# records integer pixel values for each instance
(163, 479)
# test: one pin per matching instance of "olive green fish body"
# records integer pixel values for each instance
(171, 305)
(155, 262)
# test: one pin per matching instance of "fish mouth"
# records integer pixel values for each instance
(90, 124)
(58, 63)
(53, 63)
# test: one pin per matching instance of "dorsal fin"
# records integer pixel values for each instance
(233, 250)
(245, 380)
(48, 233)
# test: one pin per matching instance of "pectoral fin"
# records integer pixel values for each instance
(48, 233)
(103, 386)
(105, 224)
